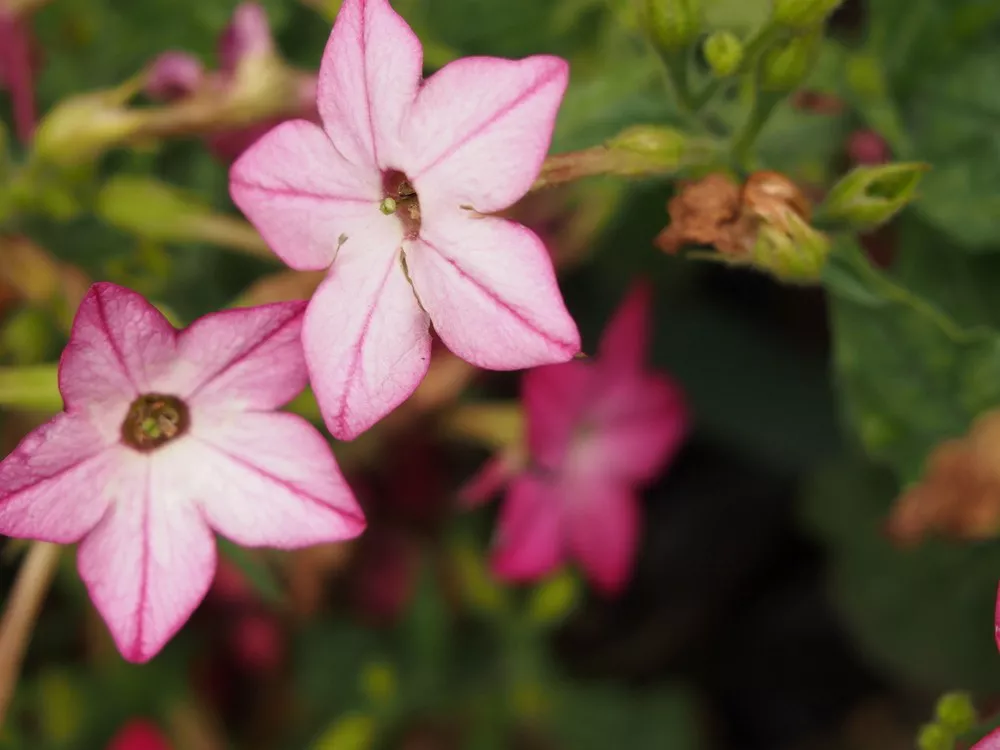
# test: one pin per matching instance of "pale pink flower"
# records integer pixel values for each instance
(166, 437)
(596, 431)
(390, 194)
(989, 742)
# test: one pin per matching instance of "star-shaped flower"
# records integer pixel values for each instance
(392, 194)
(595, 432)
(165, 437)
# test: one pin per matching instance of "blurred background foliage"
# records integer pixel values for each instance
(769, 608)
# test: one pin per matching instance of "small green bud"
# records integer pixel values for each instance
(378, 683)
(802, 14)
(935, 737)
(553, 599)
(352, 731)
(82, 128)
(388, 206)
(794, 252)
(724, 53)
(956, 712)
(785, 66)
(673, 24)
(648, 149)
(871, 195)
(479, 590)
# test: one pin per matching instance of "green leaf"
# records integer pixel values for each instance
(910, 376)
(922, 615)
(598, 717)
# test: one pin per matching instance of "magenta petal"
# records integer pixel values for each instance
(248, 358)
(989, 742)
(302, 196)
(556, 399)
(528, 540)
(270, 480)
(480, 129)
(602, 520)
(247, 35)
(174, 75)
(151, 559)
(118, 346)
(52, 486)
(996, 620)
(366, 340)
(625, 341)
(488, 481)
(635, 427)
(490, 290)
(368, 79)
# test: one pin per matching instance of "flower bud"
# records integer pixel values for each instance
(173, 75)
(785, 66)
(802, 14)
(791, 251)
(553, 599)
(352, 731)
(956, 713)
(724, 53)
(935, 737)
(871, 195)
(673, 24)
(379, 683)
(248, 35)
(648, 148)
(80, 129)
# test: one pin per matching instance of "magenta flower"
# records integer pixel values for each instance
(139, 734)
(167, 436)
(390, 194)
(16, 74)
(989, 742)
(596, 431)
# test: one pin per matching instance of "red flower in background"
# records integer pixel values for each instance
(139, 734)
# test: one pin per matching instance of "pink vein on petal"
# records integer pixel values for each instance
(112, 343)
(297, 491)
(63, 470)
(241, 356)
(498, 300)
(487, 124)
(137, 647)
(295, 192)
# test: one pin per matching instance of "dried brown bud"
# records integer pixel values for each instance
(959, 496)
(708, 212)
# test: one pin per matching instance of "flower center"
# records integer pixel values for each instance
(154, 419)
(401, 200)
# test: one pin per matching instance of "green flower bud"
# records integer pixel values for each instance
(785, 66)
(802, 14)
(935, 737)
(378, 683)
(871, 195)
(352, 731)
(956, 712)
(673, 24)
(553, 599)
(792, 252)
(648, 148)
(82, 128)
(724, 53)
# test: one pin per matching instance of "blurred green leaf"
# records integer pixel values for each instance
(922, 615)
(597, 717)
(909, 374)
(259, 574)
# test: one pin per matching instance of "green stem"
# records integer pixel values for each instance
(677, 72)
(760, 112)
(34, 388)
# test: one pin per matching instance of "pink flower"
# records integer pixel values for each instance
(167, 436)
(390, 194)
(596, 430)
(246, 51)
(139, 734)
(16, 74)
(989, 742)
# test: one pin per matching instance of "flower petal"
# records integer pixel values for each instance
(490, 290)
(249, 358)
(602, 529)
(52, 484)
(491, 478)
(528, 542)
(269, 480)
(151, 559)
(989, 742)
(366, 340)
(119, 344)
(635, 426)
(480, 128)
(556, 399)
(303, 197)
(368, 79)
(625, 341)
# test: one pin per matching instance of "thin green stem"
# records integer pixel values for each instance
(760, 113)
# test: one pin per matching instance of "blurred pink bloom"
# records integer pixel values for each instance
(596, 430)
(989, 742)
(167, 436)
(391, 191)
(867, 147)
(996, 620)
(177, 75)
(139, 734)
(257, 642)
(16, 74)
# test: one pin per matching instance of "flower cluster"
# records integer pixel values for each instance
(169, 436)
